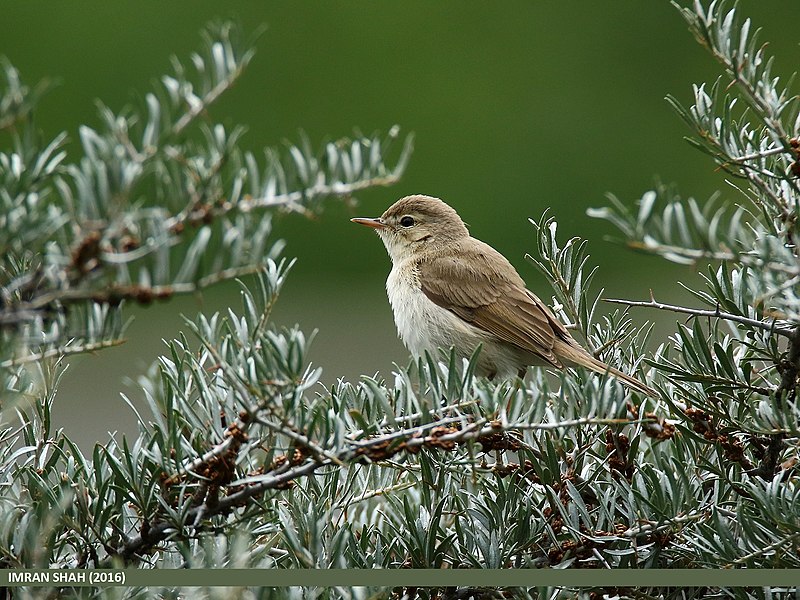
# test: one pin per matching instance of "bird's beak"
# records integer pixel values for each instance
(374, 223)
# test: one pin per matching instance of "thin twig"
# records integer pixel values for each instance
(207, 100)
(336, 188)
(762, 154)
(61, 351)
(652, 526)
(771, 326)
(287, 430)
(762, 551)
(117, 293)
(409, 432)
(350, 500)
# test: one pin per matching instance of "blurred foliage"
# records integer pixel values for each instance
(161, 203)
(241, 459)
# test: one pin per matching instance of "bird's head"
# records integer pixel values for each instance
(416, 224)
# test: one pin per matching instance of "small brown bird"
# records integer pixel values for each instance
(448, 289)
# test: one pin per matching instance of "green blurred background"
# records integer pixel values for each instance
(517, 107)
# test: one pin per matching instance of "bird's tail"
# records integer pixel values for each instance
(575, 355)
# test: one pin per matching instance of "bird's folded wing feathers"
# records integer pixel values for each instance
(468, 285)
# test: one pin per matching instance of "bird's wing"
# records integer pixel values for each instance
(469, 284)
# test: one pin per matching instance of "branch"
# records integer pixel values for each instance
(789, 369)
(442, 437)
(239, 427)
(766, 549)
(752, 91)
(289, 431)
(288, 200)
(208, 99)
(762, 107)
(762, 154)
(417, 415)
(717, 313)
(161, 530)
(648, 527)
(115, 294)
(61, 351)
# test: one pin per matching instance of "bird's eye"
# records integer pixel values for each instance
(407, 221)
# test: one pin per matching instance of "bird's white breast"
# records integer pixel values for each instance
(424, 325)
(415, 315)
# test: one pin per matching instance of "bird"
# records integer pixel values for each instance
(449, 289)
